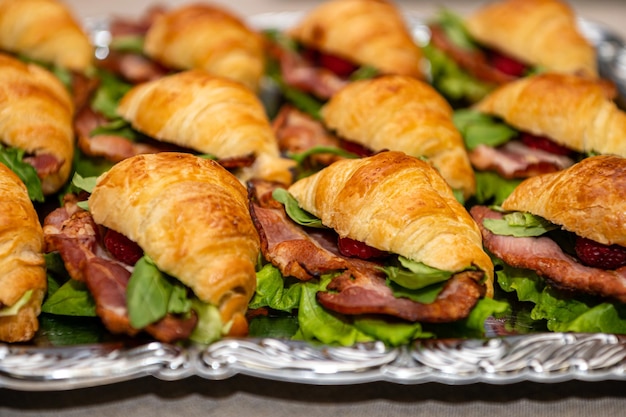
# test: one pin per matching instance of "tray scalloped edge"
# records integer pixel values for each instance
(543, 357)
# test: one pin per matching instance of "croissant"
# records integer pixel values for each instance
(210, 38)
(190, 216)
(366, 32)
(573, 111)
(37, 117)
(209, 114)
(21, 259)
(539, 32)
(403, 114)
(44, 30)
(396, 203)
(589, 198)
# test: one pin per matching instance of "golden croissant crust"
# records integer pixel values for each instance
(199, 36)
(366, 32)
(21, 258)
(396, 203)
(209, 114)
(404, 114)
(191, 217)
(44, 30)
(37, 116)
(574, 111)
(538, 32)
(589, 198)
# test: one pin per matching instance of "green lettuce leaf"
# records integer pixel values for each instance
(303, 156)
(209, 327)
(321, 325)
(492, 188)
(392, 333)
(110, 91)
(560, 311)
(128, 44)
(271, 291)
(13, 158)
(451, 80)
(415, 275)
(117, 127)
(12, 310)
(294, 211)
(454, 28)
(519, 224)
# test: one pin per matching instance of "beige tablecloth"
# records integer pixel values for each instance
(247, 396)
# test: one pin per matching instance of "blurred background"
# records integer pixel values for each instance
(609, 12)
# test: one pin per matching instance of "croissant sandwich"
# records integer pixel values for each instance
(559, 242)
(502, 41)
(206, 37)
(45, 31)
(540, 124)
(37, 125)
(388, 221)
(541, 33)
(171, 221)
(402, 114)
(196, 112)
(23, 276)
(341, 40)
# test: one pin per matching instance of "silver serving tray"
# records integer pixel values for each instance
(541, 357)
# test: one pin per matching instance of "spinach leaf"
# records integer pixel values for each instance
(71, 299)
(151, 294)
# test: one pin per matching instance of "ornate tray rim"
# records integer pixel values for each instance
(541, 357)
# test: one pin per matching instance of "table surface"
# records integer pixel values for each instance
(247, 396)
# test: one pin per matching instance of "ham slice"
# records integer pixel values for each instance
(547, 259)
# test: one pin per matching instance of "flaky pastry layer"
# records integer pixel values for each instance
(396, 203)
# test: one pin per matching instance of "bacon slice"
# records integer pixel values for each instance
(72, 232)
(133, 67)
(45, 164)
(516, 160)
(473, 61)
(285, 244)
(303, 75)
(361, 288)
(547, 259)
(365, 292)
(297, 132)
(125, 26)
